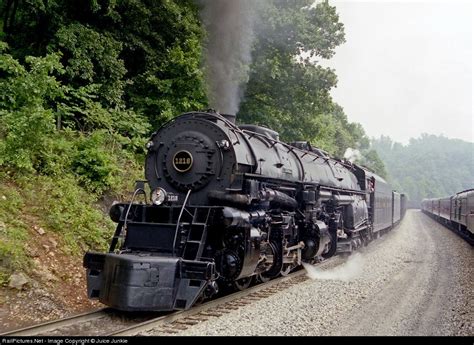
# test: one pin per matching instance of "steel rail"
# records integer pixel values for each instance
(57, 324)
(168, 319)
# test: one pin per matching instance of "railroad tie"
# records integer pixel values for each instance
(210, 313)
(187, 321)
(169, 331)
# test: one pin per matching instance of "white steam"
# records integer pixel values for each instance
(230, 28)
(345, 272)
(352, 155)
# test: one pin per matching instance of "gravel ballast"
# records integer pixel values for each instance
(415, 280)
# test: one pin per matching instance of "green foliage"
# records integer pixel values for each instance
(60, 149)
(95, 167)
(57, 204)
(429, 166)
(92, 57)
(288, 90)
(33, 103)
(162, 53)
(371, 160)
(79, 109)
(13, 232)
(71, 211)
(26, 122)
(141, 54)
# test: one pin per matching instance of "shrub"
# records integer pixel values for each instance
(94, 165)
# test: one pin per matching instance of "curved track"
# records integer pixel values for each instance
(416, 280)
(96, 322)
(111, 322)
(178, 321)
(49, 326)
(422, 293)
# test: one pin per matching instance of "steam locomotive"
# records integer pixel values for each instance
(229, 204)
(455, 212)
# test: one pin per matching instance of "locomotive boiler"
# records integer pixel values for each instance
(224, 204)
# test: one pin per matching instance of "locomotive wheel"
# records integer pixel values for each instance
(286, 269)
(262, 279)
(277, 265)
(243, 283)
(333, 248)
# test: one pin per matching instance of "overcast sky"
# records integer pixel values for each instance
(406, 67)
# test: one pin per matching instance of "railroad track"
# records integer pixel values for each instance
(181, 320)
(58, 324)
(92, 323)
(110, 322)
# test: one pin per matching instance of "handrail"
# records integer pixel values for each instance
(179, 220)
(119, 230)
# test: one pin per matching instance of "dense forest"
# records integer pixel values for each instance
(84, 83)
(429, 166)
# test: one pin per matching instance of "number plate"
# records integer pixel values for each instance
(172, 197)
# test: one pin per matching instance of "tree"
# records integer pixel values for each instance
(287, 92)
(429, 166)
(140, 54)
(371, 160)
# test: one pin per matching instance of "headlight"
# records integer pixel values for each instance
(158, 196)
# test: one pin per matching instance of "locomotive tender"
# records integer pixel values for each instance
(456, 212)
(229, 204)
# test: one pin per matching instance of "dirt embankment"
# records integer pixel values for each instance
(55, 286)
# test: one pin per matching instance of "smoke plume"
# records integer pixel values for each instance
(345, 272)
(230, 28)
(352, 155)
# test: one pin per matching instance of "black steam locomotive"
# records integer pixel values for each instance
(229, 204)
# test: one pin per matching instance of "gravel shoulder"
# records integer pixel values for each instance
(415, 280)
